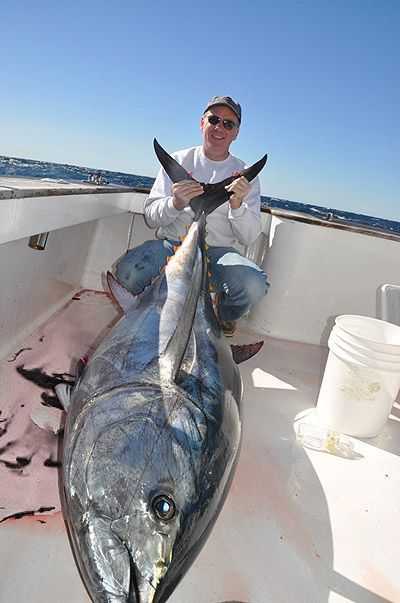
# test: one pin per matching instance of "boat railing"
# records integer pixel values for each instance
(331, 222)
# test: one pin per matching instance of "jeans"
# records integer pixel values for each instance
(239, 282)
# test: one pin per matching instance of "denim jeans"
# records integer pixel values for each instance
(239, 282)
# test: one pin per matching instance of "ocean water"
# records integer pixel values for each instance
(13, 166)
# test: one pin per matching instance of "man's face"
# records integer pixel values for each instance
(216, 138)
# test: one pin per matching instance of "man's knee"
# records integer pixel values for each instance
(136, 269)
(252, 284)
(129, 273)
(257, 286)
(242, 279)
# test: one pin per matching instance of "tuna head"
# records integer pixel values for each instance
(143, 492)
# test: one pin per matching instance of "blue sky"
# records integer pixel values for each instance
(91, 83)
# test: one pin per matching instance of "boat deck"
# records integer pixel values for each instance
(299, 525)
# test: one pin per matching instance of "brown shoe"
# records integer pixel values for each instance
(228, 327)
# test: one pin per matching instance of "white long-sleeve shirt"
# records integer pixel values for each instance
(225, 226)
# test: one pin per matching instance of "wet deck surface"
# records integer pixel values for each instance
(299, 526)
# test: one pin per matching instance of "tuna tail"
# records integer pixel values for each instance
(214, 194)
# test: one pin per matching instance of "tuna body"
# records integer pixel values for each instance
(152, 437)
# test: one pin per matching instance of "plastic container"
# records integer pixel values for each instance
(362, 375)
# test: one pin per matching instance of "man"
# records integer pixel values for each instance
(237, 282)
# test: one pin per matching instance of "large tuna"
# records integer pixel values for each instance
(152, 435)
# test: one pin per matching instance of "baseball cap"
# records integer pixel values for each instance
(228, 102)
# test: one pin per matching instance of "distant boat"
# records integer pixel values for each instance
(97, 178)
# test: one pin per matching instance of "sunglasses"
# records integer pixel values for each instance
(228, 124)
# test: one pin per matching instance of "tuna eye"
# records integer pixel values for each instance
(163, 507)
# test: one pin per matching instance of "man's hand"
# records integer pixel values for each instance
(183, 192)
(239, 187)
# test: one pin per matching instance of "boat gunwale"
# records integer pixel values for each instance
(8, 192)
(87, 188)
(331, 223)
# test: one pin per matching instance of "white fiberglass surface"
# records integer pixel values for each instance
(298, 526)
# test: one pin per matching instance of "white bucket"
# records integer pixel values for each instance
(362, 375)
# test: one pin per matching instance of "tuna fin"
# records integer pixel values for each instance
(241, 353)
(175, 171)
(124, 298)
(63, 392)
(176, 324)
